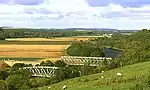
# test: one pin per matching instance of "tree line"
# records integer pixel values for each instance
(18, 79)
(43, 33)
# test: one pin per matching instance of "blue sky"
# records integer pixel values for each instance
(120, 14)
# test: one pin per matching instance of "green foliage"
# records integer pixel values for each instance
(86, 69)
(131, 75)
(47, 63)
(60, 74)
(17, 82)
(115, 63)
(84, 49)
(16, 66)
(41, 33)
(60, 63)
(4, 74)
(136, 47)
(39, 82)
(3, 85)
(100, 68)
(2, 35)
(23, 72)
(142, 84)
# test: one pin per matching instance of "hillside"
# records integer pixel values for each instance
(131, 75)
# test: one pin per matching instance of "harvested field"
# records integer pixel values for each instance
(53, 39)
(35, 50)
(36, 42)
(32, 51)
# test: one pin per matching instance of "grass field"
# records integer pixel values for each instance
(130, 73)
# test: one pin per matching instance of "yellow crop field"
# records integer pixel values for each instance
(47, 49)
(32, 51)
(53, 39)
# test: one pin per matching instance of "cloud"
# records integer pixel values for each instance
(22, 2)
(73, 13)
(124, 3)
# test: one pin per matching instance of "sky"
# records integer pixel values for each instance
(117, 14)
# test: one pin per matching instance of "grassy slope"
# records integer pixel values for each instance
(95, 82)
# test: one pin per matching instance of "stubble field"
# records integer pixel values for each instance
(35, 50)
(32, 51)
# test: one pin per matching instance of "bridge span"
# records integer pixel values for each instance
(76, 60)
(41, 71)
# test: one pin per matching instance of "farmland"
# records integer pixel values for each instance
(35, 50)
(132, 64)
(35, 47)
(50, 39)
(32, 51)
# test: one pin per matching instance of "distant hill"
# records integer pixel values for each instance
(101, 29)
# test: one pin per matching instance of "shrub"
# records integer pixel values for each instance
(17, 82)
(3, 85)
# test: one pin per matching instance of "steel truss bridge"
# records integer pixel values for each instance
(93, 61)
(46, 71)
(41, 71)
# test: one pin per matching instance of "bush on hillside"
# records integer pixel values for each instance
(17, 82)
(3, 85)
(47, 63)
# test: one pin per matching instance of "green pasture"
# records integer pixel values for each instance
(131, 75)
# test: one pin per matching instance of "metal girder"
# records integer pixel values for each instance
(41, 71)
(74, 60)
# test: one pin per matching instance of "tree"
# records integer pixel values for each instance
(85, 49)
(17, 81)
(3, 85)
(144, 29)
(86, 69)
(16, 66)
(60, 64)
(60, 74)
(39, 82)
(4, 74)
(2, 35)
(115, 63)
(47, 63)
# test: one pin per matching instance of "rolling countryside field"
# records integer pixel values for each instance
(51, 39)
(131, 75)
(35, 50)
(32, 51)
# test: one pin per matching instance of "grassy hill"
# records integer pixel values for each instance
(131, 75)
